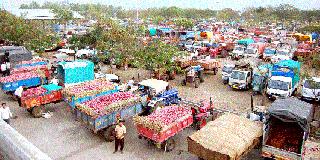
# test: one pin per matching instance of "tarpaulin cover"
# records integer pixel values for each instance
(152, 31)
(245, 41)
(19, 55)
(51, 87)
(31, 64)
(270, 51)
(75, 72)
(292, 109)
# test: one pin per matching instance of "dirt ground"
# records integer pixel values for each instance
(62, 137)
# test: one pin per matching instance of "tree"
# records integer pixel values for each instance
(63, 14)
(183, 22)
(28, 34)
(157, 56)
(228, 14)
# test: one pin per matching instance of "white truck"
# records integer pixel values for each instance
(240, 79)
(226, 72)
(238, 52)
(311, 89)
(284, 79)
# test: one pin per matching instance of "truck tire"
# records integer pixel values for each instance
(109, 134)
(196, 83)
(37, 111)
(169, 145)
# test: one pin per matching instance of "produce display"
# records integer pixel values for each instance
(28, 69)
(163, 118)
(31, 92)
(109, 103)
(227, 137)
(89, 88)
(17, 77)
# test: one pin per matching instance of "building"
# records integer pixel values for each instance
(39, 14)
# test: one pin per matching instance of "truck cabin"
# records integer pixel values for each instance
(239, 77)
(250, 51)
(280, 86)
(311, 89)
(227, 69)
(269, 52)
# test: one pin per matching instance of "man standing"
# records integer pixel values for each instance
(18, 94)
(119, 139)
(5, 113)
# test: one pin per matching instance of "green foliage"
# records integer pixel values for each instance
(29, 34)
(63, 14)
(184, 22)
(228, 14)
(310, 28)
(316, 61)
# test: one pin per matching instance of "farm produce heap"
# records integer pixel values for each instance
(163, 118)
(108, 103)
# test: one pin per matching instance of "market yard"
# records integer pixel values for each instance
(160, 80)
(61, 137)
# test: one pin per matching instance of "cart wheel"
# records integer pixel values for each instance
(169, 145)
(37, 111)
(29, 110)
(109, 134)
(196, 83)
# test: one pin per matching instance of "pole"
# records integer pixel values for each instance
(251, 103)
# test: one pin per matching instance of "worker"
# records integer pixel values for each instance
(5, 113)
(54, 80)
(120, 131)
(131, 82)
(3, 69)
(18, 93)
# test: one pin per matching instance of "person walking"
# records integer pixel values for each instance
(5, 113)
(120, 131)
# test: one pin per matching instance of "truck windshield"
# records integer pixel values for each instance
(276, 84)
(311, 84)
(238, 49)
(282, 53)
(238, 75)
(227, 69)
(250, 51)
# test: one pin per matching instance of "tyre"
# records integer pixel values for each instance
(109, 134)
(196, 83)
(184, 82)
(169, 145)
(37, 111)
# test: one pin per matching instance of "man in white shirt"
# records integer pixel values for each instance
(18, 94)
(120, 131)
(54, 81)
(3, 69)
(5, 113)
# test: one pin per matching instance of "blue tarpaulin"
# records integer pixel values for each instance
(31, 64)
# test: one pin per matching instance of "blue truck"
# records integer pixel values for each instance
(105, 124)
(31, 82)
(284, 79)
(260, 78)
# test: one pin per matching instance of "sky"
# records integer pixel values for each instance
(201, 4)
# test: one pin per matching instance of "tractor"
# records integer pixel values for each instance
(194, 75)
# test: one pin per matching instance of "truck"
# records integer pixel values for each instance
(241, 76)
(226, 72)
(238, 52)
(260, 78)
(286, 129)
(268, 53)
(284, 79)
(311, 89)
(255, 50)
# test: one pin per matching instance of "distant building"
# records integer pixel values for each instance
(39, 14)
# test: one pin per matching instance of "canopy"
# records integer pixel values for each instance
(292, 110)
(158, 85)
(289, 63)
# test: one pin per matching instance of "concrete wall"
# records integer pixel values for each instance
(13, 146)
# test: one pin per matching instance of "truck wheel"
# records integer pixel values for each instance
(29, 110)
(37, 111)
(83, 56)
(196, 83)
(169, 145)
(109, 134)
(184, 82)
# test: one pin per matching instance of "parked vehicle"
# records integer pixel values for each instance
(226, 72)
(261, 75)
(66, 51)
(194, 75)
(284, 79)
(311, 89)
(286, 129)
(268, 53)
(281, 54)
(85, 53)
(238, 52)
(35, 103)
